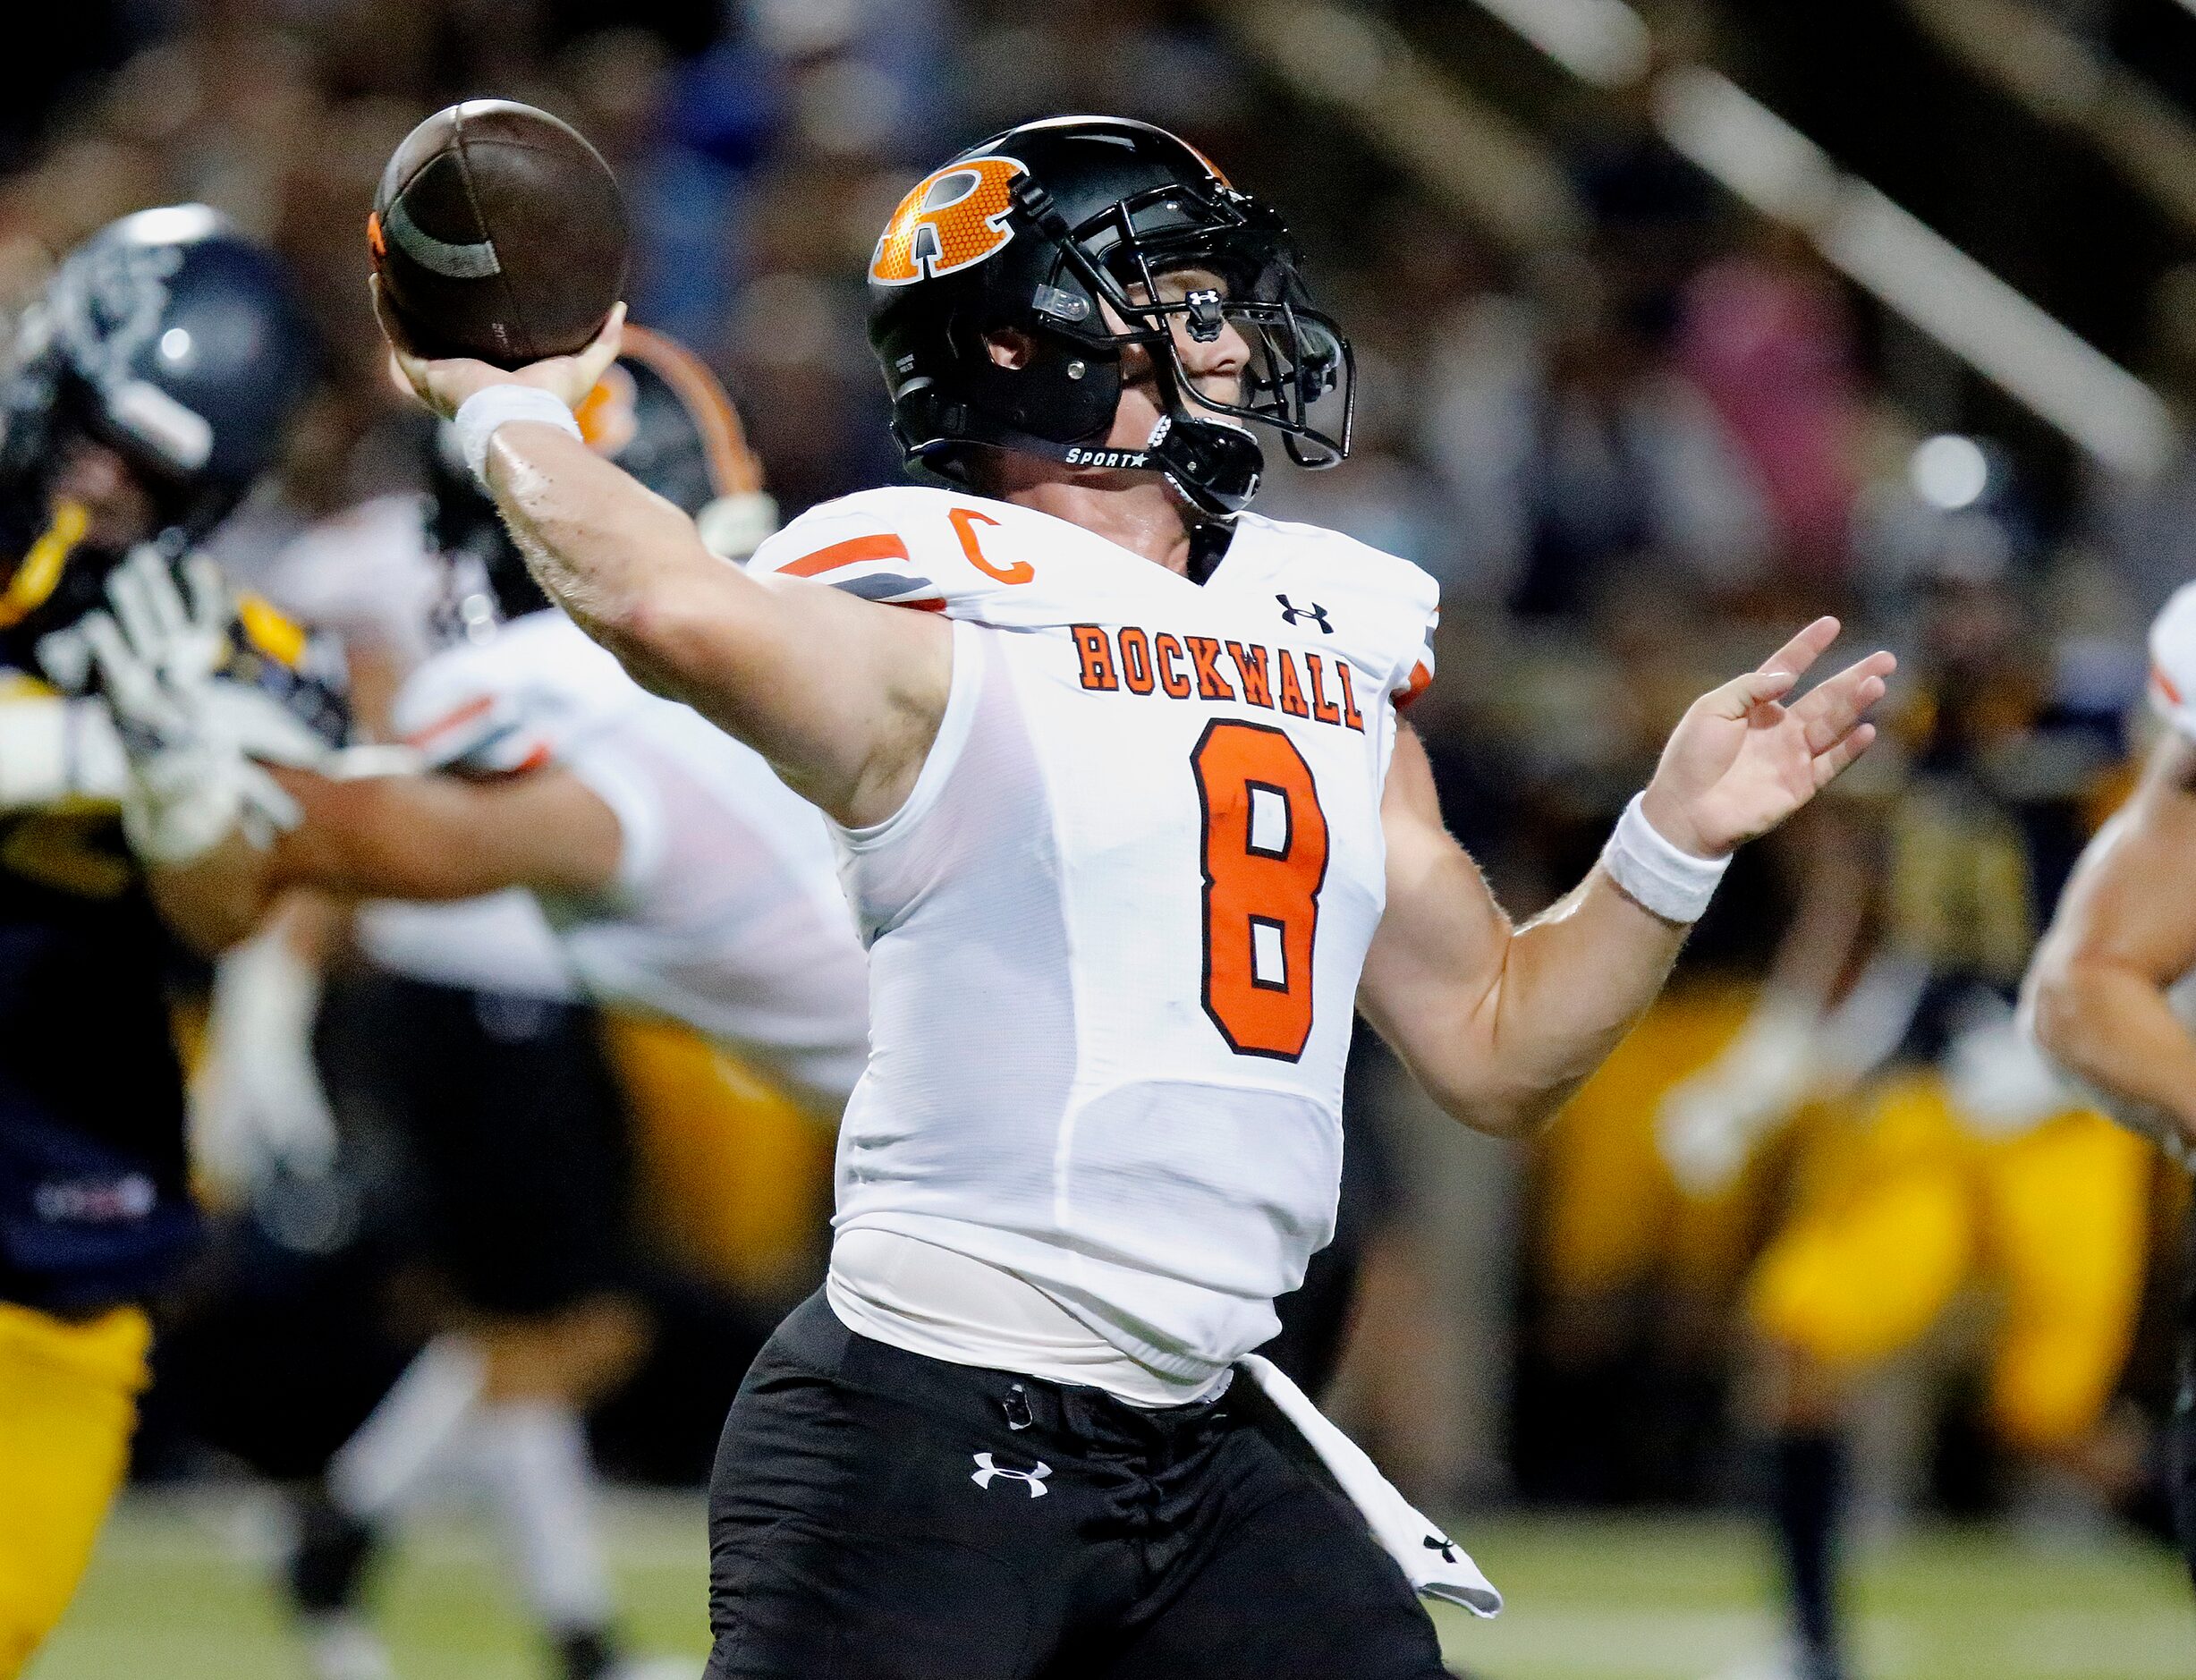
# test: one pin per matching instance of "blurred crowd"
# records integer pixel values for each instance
(1633, 463)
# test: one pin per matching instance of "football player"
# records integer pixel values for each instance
(680, 879)
(1133, 827)
(2101, 993)
(149, 387)
(1958, 1156)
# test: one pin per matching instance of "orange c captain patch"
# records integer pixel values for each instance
(950, 220)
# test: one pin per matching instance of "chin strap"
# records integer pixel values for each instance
(1212, 465)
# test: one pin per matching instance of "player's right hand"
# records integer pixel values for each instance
(444, 385)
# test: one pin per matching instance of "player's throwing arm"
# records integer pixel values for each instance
(492, 214)
(842, 697)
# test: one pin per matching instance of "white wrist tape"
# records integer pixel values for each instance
(481, 414)
(1676, 884)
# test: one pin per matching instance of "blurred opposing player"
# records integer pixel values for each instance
(1966, 1158)
(2101, 991)
(680, 879)
(1122, 830)
(148, 389)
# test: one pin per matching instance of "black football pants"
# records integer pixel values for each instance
(879, 1516)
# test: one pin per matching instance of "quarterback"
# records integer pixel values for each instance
(1132, 827)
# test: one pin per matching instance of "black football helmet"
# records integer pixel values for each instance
(660, 414)
(1033, 230)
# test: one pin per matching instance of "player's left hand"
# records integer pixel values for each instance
(443, 385)
(1740, 760)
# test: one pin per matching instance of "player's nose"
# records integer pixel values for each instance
(1227, 352)
(1216, 366)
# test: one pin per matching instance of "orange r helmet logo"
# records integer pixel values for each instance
(950, 221)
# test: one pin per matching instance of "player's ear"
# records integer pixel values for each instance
(1010, 347)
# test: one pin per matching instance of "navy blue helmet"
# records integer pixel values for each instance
(175, 341)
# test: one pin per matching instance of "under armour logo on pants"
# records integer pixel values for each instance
(986, 1473)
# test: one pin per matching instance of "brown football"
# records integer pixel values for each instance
(498, 233)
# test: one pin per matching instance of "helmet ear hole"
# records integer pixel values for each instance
(1010, 348)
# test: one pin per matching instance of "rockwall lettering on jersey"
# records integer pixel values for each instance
(1320, 687)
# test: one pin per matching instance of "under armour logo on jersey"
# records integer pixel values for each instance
(1293, 613)
(1443, 1544)
(986, 1473)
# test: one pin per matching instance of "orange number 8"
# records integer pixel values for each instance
(1265, 859)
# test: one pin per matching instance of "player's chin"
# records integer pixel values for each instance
(1213, 397)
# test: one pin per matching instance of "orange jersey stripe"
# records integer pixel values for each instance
(1421, 679)
(2164, 685)
(853, 551)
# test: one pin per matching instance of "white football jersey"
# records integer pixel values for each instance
(1116, 930)
(726, 912)
(2173, 661)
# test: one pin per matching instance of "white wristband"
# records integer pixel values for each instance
(481, 414)
(1675, 885)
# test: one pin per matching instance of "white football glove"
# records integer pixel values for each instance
(193, 735)
(257, 1109)
(1708, 1125)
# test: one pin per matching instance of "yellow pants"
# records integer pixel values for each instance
(1917, 1206)
(1607, 1214)
(735, 1176)
(68, 1404)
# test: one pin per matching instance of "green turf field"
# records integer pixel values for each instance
(176, 1596)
